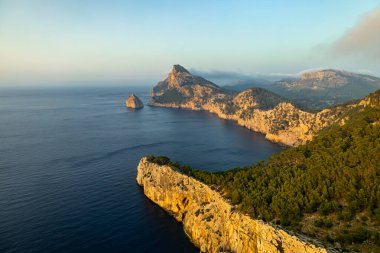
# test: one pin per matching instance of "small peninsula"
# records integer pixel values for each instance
(212, 223)
(134, 102)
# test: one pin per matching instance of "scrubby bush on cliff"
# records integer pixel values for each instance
(160, 160)
(163, 160)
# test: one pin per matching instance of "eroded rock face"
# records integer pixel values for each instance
(134, 102)
(209, 220)
(257, 109)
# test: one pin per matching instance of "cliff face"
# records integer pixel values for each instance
(209, 220)
(257, 109)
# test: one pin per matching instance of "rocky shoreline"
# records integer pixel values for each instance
(209, 220)
(284, 124)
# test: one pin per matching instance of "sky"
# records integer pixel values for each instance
(51, 41)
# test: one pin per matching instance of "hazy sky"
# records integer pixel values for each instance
(42, 41)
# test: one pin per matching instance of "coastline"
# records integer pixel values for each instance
(180, 107)
(209, 220)
(264, 121)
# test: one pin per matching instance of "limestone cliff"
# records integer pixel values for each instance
(257, 109)
(134, 102)
(209, 220)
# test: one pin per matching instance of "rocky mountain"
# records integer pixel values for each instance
(320, 89)
(257, 109)
(184, 90)
(181, 86)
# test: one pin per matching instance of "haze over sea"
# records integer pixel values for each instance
(68, 159)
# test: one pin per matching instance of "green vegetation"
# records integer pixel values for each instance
(328, 188)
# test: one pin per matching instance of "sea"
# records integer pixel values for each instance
(68, 159)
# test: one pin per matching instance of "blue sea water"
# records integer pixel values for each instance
(68, 159)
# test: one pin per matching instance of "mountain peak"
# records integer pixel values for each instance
(179, 69)
(319, 74)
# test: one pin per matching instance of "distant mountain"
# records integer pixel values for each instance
(319, 89)
(257, 109)
(185, 90)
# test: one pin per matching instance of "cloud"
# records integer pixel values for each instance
(218, 74)
(362, 40)
(229, 77)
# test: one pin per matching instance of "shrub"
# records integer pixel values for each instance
(160, 160)
(323, 223)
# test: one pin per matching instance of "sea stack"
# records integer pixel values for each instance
(134, 102)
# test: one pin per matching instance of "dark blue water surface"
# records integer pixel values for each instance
(68, 162)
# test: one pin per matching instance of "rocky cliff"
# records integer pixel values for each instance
(209, 220)
(182, 89)
(257, 109)
(134, 102)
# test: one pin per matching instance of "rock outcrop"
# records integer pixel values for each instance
(209, 220)
(257, 109)
(134, 102)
